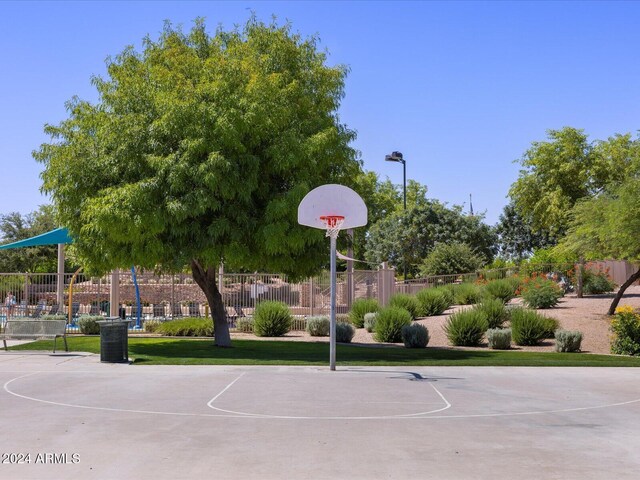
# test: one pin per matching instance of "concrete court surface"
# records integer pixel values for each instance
(106, 421)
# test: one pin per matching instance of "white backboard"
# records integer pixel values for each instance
(332, 199)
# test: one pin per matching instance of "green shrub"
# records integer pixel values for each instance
(53, 317)
(626, 332)
(360, 308)
(594, 283)
(568, 341)
(550, 326)
(494, 311)
(318, 326)
(389, 323)
(89, 324)
(447, 291)
(432, 301)
(415, 336)
(187, 327)
(151, 326)
(244, 325)
(528, 327)
(449, 259)
(466, 328)
(499, 338)
(344, 332)
(503, 290)
(540, 292)
(271, 319)
(370, 321)
(467, 294)
(343, 318)
(406, 301)
(516, 284)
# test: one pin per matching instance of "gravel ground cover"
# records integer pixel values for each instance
(588, 315)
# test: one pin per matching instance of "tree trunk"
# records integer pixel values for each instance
(623, 287)
(580, 277)
(205, 277)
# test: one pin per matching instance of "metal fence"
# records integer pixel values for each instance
(172, 296)
(166, 297)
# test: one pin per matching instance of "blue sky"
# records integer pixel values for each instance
(462, 89)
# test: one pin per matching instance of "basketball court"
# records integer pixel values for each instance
(125, 421)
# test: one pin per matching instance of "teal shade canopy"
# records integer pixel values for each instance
(54, 237)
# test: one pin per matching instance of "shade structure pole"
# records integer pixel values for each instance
(60, 277)
(332, 337)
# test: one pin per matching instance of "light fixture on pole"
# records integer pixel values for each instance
(397, 157)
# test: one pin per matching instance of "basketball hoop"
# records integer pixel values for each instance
(333, 224)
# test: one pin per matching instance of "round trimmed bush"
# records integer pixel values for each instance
(344, 332)
(494, 310)
(415, 336)
(466, 328)
(528, 327)
(370, 321)
(406, 301)
(433, 301)
(89, 324)
(568, 340)
(318, 326)
(360, 307)
(499, 338)
(271, 319)
(389, 323)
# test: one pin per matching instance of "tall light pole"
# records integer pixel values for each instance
(397, 157)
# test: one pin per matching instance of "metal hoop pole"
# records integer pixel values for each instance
(332, 336)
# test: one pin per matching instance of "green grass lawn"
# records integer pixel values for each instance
(172, 351)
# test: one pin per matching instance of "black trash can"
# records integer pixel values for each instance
(114, 340)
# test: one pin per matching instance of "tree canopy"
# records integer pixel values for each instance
(517, 239)
(199, 150)
(408, 237)
(564, 169)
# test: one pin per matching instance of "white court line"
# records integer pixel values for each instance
(245, 415)
(226, 388)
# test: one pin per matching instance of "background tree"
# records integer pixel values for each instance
(566, 168)
(14, 227)
(450, 258)
(516, 238)
(410, 236)
(199, 150)
(556, 174)
(608, 226)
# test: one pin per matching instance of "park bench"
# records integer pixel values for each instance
(29, 328)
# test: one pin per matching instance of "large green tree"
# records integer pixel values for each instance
(406, 238)
(565, 168)
(198, 151)
(608, 226)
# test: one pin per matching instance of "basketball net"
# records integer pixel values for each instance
(333, 224)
